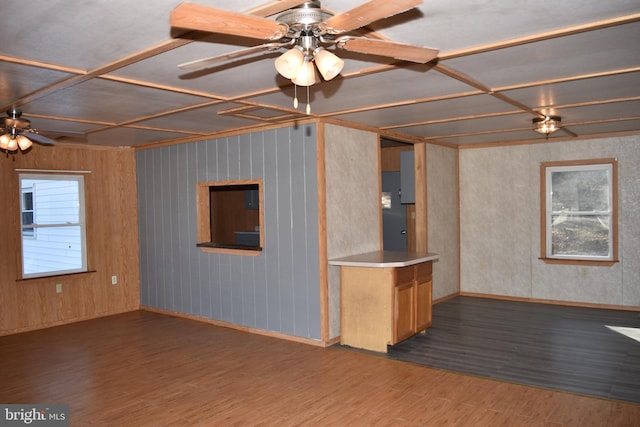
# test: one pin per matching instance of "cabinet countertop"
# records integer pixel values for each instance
(383, 259)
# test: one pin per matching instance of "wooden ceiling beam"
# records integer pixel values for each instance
(104, 69)
(83, 75)
(452, 119)
(37, 64)
(274, 7)
(474, 83)
(402, 103)
(568, 79)
(592, 26)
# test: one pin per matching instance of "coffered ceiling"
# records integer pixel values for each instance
(108, 69)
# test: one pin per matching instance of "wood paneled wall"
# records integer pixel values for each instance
(112, 241)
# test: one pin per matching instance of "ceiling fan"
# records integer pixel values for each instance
(16, 132)
(306, 29)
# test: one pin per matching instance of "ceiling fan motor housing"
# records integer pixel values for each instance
(14, 120)
(305, 18)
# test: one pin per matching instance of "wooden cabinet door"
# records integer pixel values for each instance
(423, 305)
(403, 312)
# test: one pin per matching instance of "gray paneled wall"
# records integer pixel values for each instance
(278, 290)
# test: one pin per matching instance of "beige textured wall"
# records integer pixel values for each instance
(353, 202)
(442, 217)
(500, 224)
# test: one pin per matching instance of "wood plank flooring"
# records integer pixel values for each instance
(558, 347)
(150, 369)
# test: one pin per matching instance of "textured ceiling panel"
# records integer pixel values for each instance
(202, 120)
(396, 85)
(114, 102)
(17, 80)
(597, 51)
(121, 136)
(103, 67)
(592, 90)
(442, 110)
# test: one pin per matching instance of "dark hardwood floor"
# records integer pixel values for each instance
(150, 369)
(551, 346)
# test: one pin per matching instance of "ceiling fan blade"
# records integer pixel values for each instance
(63, 135)
(36, 137)
(200, 18)
(404, 52)
(367, 13)
(207, 62)
(16, 123)
(275, 7)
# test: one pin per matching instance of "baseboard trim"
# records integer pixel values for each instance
(229, 325)
(550, 302)
(445, 298)
(65, 322)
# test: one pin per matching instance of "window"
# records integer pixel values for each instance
(52, 224)
(26, 208)
(579, 211)
(230, 216)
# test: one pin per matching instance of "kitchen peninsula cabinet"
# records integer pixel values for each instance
(385, 297)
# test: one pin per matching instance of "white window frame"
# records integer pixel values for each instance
(81, 223)
(31, 234)
(547, 169)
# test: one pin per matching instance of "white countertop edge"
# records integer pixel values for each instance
(382, 259)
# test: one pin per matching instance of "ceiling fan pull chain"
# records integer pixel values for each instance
(295, 96)
(308, 102)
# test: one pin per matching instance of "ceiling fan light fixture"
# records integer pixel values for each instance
(546, 125)
(12, 145)
(328, 64)
(4, 141)
(306, 76)
(289, 63)
(23, 142)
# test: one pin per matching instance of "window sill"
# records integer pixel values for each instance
(229, 249)
(56, 276)
(579, 262)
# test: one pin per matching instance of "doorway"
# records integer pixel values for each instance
(394, 214)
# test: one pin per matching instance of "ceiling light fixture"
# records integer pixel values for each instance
(11, 142)
(328, 64)
(297, 64)
(288, 64)
(306, 75)
(23, 142)
(14, 130)
(546, 125)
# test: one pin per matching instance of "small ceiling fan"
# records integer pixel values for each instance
(306, 29)
(16, 132)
